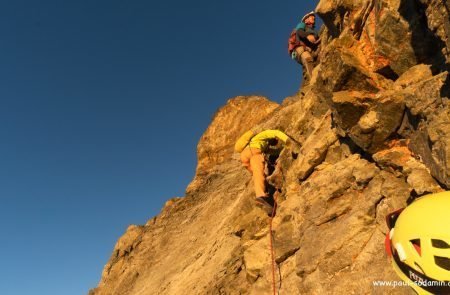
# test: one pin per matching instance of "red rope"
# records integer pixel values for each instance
(272, 252)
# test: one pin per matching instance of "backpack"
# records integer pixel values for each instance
(243, 141)
(293, 42)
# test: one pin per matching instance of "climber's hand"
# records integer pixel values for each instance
(311, 38)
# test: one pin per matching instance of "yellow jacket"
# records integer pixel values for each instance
(260, 140)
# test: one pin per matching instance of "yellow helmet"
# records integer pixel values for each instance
(419, 243)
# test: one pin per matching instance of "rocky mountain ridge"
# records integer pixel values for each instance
(374, 124)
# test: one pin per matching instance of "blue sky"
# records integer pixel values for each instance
(102, 106)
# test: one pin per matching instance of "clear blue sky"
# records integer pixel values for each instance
(102, 106)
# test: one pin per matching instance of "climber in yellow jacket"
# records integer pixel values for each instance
(252, 158)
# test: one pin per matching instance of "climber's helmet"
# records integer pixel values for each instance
(419, 243)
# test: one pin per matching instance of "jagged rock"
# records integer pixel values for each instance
(425, 96)
(314, 150)
(393, 40)
(257, 259)
(422, 182)
(388, 38)
(428, 38)
(412, 76)
(435, 155)
(387, 46)
(347, 68)
(340, 223)
(128, 241)
(427, 122)
(374, 129)
(344, 14)
(418, 176)
(123, 249)
(438, 19)
(368, 119)
(396, 157)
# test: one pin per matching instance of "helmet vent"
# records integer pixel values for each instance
(443, 262)
(416, 244)
(440, 244)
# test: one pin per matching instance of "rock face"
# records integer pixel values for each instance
(374, 124)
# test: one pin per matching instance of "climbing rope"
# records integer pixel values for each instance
(272, 252)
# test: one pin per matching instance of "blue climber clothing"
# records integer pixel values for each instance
(303, 31)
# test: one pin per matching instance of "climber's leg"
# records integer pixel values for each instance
(259, 179)
(307, 62)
